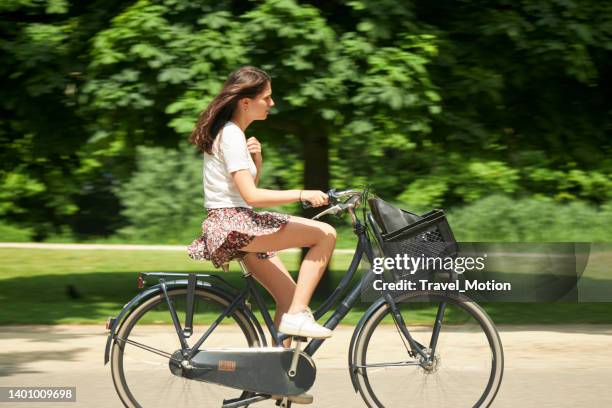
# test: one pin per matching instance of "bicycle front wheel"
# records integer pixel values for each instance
(467, 364)
(140, 359)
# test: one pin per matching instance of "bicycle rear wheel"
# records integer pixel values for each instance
(467, 366)
(140, 359)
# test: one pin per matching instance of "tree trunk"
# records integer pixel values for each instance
(315, 144)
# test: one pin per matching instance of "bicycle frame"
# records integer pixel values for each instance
(364, 247)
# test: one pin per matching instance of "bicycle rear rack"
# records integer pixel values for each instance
(192, 280)
(176, 275)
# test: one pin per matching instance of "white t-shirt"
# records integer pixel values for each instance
(229, 154)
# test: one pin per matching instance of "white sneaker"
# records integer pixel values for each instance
(303, 324)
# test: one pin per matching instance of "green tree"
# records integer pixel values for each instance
(43, 46)
(524, 85)
(434, 103)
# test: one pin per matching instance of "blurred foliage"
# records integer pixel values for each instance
(160, 201)
(503, 218)
(445, 104)
(526, 85)
(12, 233)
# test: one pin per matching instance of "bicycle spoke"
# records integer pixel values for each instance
(148, 348)
(397, 364)
(399, 332)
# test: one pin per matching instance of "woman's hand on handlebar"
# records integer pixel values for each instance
(315, 198)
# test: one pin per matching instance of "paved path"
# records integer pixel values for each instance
(551, 366)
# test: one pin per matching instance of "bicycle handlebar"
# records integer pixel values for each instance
(334, 196)
(338, 207)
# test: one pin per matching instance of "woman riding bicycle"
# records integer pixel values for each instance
(232, 169)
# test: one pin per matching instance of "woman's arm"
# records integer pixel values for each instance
(254, 148)
(260, 197)
(259, 166)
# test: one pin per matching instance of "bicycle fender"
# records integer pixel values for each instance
(356, 333)
(156, 290)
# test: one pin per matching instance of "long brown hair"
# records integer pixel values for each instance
(245, 82)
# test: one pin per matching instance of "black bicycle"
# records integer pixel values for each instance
(171, 346)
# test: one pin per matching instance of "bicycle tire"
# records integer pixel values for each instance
(409, 392)
(118, 351)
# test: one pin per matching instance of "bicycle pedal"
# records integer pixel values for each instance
(296, 355)
(302, 399)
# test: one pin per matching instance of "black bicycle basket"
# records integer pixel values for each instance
(426, 236)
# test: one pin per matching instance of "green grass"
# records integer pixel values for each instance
(35, 283)
(36, 287)
(346, 238)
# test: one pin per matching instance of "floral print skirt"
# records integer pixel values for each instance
(226, 230)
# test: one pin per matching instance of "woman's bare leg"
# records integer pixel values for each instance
(273, 276)
(301, 233)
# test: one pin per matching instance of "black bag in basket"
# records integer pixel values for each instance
(426, 236)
